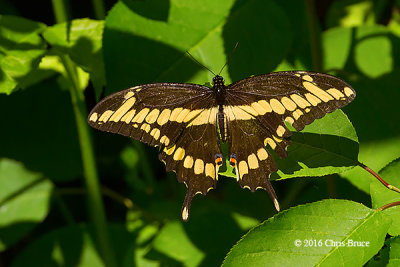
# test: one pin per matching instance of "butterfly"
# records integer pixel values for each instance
(190, 121)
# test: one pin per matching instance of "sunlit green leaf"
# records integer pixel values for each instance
(21, 49)
(24, 201)
(328, 145)
(141, 50)
(314, 228)
(81, 40)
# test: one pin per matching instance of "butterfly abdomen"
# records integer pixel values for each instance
(222, 126)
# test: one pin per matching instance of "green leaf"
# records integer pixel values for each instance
(73, 246)
(141, 50)
(341, 45)
(368, 49)
(200, 242)
(21, 49)
(273, 242)
(336, 44)
(24, 201)
(328, 145)
(41, 131)
(173, 242)
(380, 195)
(377, 39)
(81, 40)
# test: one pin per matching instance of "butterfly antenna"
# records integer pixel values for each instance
(229, 58)
(195, 60)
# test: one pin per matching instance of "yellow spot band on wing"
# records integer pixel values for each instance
(277, 106)
(260, 109)
(198, 166)
(139, 118)
(188, 162)
(324, 96)
(192, 114)
(280, 131)
(307, 78)
(262, 154)
(179, 153)
(348, 91)
(128, 116)
(155, 133)
(289, 104)
(312, 99)
(123, 109)
(297, 113)
(253, 161)
(335, 93)
(129, 94)
(164, 140)
(264, 104)
(289, 120)
(164, 117)
(175, 114)
(236, 113)
(93, 117)
(210, 170)
(145, 127)
(301, 102)
(170, 150)
(243, 169)
(106, 115)
(270, 142)
(153, 115)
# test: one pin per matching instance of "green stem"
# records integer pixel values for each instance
(95, 202)
(99, 11)
(314, 36)
(60, 11)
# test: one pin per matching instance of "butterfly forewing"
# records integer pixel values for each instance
(298, 97)
(155, 114)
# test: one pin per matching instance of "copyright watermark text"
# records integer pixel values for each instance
(330, 243)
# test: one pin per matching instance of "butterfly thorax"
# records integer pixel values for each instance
(219, 89)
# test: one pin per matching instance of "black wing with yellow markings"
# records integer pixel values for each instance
(180, 118)
(257, 108)
(188, 122)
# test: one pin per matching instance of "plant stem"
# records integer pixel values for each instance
(99, 11)
(386, 184)
(314, 36)
(60, 11)
(95, 202)
(393, 204)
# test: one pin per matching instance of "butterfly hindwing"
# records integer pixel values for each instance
(193, 158)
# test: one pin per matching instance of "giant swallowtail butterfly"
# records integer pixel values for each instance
(189, 121)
